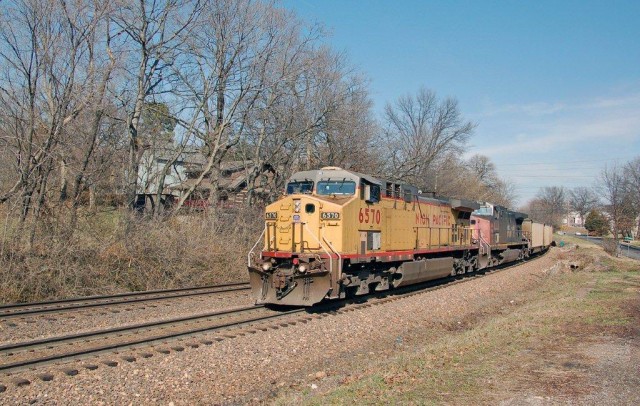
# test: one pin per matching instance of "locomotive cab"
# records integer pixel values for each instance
(304, 236)
(500, 233)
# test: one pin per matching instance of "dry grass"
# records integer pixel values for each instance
(114, 251)
(513, 357)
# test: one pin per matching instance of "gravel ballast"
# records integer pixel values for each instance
(252, 367)
(81, 321)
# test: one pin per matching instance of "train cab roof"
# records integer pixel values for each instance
(464, 205)
(490, 210)
(305, 181)
(332, 173)
(330, 182)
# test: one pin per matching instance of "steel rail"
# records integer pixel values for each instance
(34, 308)
(4, 349)
(333, 307)
(104, 334)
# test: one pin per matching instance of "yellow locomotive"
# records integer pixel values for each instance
(339, 233)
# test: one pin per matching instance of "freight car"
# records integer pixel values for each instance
(338, 233)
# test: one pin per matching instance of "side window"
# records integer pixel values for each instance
(389, 190)
(375, 193)
(408, 195)
(370, 193)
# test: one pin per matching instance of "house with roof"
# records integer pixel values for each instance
(183, 173)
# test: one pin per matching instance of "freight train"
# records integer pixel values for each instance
(338, 233)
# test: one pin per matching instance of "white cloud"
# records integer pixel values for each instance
(531, 109)
(590, 132)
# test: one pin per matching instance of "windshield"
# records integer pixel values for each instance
(336, 187)
(484, 211)
(305, 186)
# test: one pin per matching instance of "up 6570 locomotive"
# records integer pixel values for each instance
(338, 233)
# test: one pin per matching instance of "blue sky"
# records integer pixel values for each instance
(554, 86)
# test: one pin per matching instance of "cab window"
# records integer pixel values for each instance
(374, 196)
(305, 186)
(408, 196)
(336, 187)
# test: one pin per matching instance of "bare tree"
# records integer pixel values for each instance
(245, 58)
(496, 190)
(484, 169)
(452, 177)
(632, 172)
(419, 129)
(156, 30)
(349, 127)
(281, 117)
(614, 188)
(582, 200)
(224, 80)
(548, 206)
(49, 74)
(317, 114)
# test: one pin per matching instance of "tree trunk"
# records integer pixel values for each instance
(92, 198)
(214, 194)
(133, 168)
(63, 180)
(42, 192)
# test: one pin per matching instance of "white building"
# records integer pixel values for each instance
(573, 219)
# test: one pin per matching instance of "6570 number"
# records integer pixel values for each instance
(369, 216)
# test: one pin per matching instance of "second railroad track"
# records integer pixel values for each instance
(17, 310)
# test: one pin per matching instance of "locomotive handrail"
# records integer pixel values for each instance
(256, 244)
(462, 233)
(321, 246)
(331, 259)
(484, 244)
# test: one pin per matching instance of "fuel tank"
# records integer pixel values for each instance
(422, 271)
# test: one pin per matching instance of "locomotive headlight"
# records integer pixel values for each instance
(302, 268)
(296, 206)
(266, 266)
(330, 215)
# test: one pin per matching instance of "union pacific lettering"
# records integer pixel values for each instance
(422, 219)
(441, 220)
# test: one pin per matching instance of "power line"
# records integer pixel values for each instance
(563, 162)
(552, 176)
(562, 168)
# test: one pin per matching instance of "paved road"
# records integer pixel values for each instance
(625, 249)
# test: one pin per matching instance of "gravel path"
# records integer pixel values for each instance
(252, 367)
(43, 326)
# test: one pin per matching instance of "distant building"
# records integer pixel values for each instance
(573, 219)
(183, 175)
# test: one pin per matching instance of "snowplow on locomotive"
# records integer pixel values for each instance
(338, 233)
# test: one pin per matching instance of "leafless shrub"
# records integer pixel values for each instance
(112, 253)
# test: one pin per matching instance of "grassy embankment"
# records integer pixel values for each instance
(531, 348)
(114, 251)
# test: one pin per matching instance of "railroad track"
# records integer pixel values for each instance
(57, 306)
(31, 354)
(168, 334)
